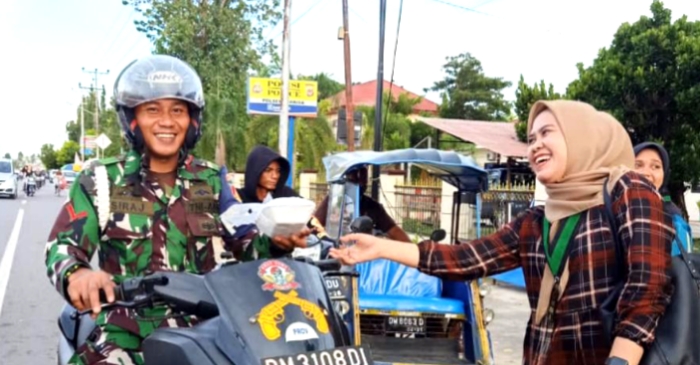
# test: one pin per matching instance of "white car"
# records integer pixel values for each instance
(70, 177)
(9, 185)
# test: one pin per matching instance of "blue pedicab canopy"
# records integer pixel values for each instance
(455, 169)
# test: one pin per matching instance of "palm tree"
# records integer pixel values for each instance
(223, 133)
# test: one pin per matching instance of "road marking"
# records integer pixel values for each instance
(8, 257)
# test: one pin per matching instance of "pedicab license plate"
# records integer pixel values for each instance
(354, 355)
(406, 324)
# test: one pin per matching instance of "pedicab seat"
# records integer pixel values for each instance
(389, 286)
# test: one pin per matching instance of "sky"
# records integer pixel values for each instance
(51, 44)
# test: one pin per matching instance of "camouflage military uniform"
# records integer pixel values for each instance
(175, 231)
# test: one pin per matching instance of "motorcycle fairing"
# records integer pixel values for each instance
(240, 293)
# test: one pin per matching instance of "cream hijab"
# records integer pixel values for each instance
(598, 148)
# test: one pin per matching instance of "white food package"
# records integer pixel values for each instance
(278, 217)
(284, 216)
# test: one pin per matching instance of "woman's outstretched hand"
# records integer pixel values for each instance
(357, 248)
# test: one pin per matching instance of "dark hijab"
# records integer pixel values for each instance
(666, 162)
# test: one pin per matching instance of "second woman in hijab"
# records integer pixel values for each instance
(573, 150)
(652, 161)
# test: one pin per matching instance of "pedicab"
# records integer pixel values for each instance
(405, 316)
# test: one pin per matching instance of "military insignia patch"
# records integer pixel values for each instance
(201, 191)
(277, 276)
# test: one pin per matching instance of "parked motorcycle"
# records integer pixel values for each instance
(270, 312)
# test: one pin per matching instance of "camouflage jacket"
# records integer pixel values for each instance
(179, 231)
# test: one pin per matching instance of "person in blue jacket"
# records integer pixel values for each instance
(652, 161)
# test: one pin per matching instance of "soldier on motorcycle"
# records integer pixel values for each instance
(154, 209)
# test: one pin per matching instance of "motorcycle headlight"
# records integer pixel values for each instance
(489, 315)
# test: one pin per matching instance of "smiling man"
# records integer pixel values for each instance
(155, 209)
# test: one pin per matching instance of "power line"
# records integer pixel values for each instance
(510, 20)
(463, 7)
(393, 68)
(119, 35)
(114, 25)
(483, 3)
(307, 11)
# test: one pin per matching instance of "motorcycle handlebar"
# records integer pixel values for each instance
(132, 293)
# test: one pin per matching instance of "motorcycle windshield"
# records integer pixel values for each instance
(272, 308)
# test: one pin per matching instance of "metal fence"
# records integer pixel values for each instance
(500, 205)
(418, 208)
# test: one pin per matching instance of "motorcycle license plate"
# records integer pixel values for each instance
(406, 324)
(352, 355)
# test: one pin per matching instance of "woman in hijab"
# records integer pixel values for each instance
(566, 248)
(651, 161)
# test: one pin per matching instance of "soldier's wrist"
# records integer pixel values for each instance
(76, 273)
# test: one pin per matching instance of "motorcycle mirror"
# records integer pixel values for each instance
(438, 235)
(362, 224)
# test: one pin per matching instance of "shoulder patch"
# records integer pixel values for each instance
(112, 160)
(207, 164)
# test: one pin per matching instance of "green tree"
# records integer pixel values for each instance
(48, 156)
(396, 126)
(419, 131)
(313, 138)
(327, 86)
(73, 126)
(469, 94)
(109, 125)
(66, 154)
(221, 116)
(8, 156)
(222, 40)
(648, 79)
(525, 97)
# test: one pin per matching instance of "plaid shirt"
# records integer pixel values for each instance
(573, 335)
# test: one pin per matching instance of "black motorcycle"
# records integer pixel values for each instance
(268, 312)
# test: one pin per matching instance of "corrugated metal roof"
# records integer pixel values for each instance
(498, 137)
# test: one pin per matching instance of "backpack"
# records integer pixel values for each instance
(683, 235)
(676, 333)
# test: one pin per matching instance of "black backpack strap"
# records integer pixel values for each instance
(621, 269)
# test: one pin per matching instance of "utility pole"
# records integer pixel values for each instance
(284, 111)
(82, 131)
(349, 107)
(380, 100)
(94, 89)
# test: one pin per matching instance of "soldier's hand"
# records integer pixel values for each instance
(84, 289)
(295, 240)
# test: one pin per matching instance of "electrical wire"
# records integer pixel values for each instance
(464, 7)
(119, 35)
(393, 68)
(307, 11)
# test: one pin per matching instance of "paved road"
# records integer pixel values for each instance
(29, 306)
(508, 326)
